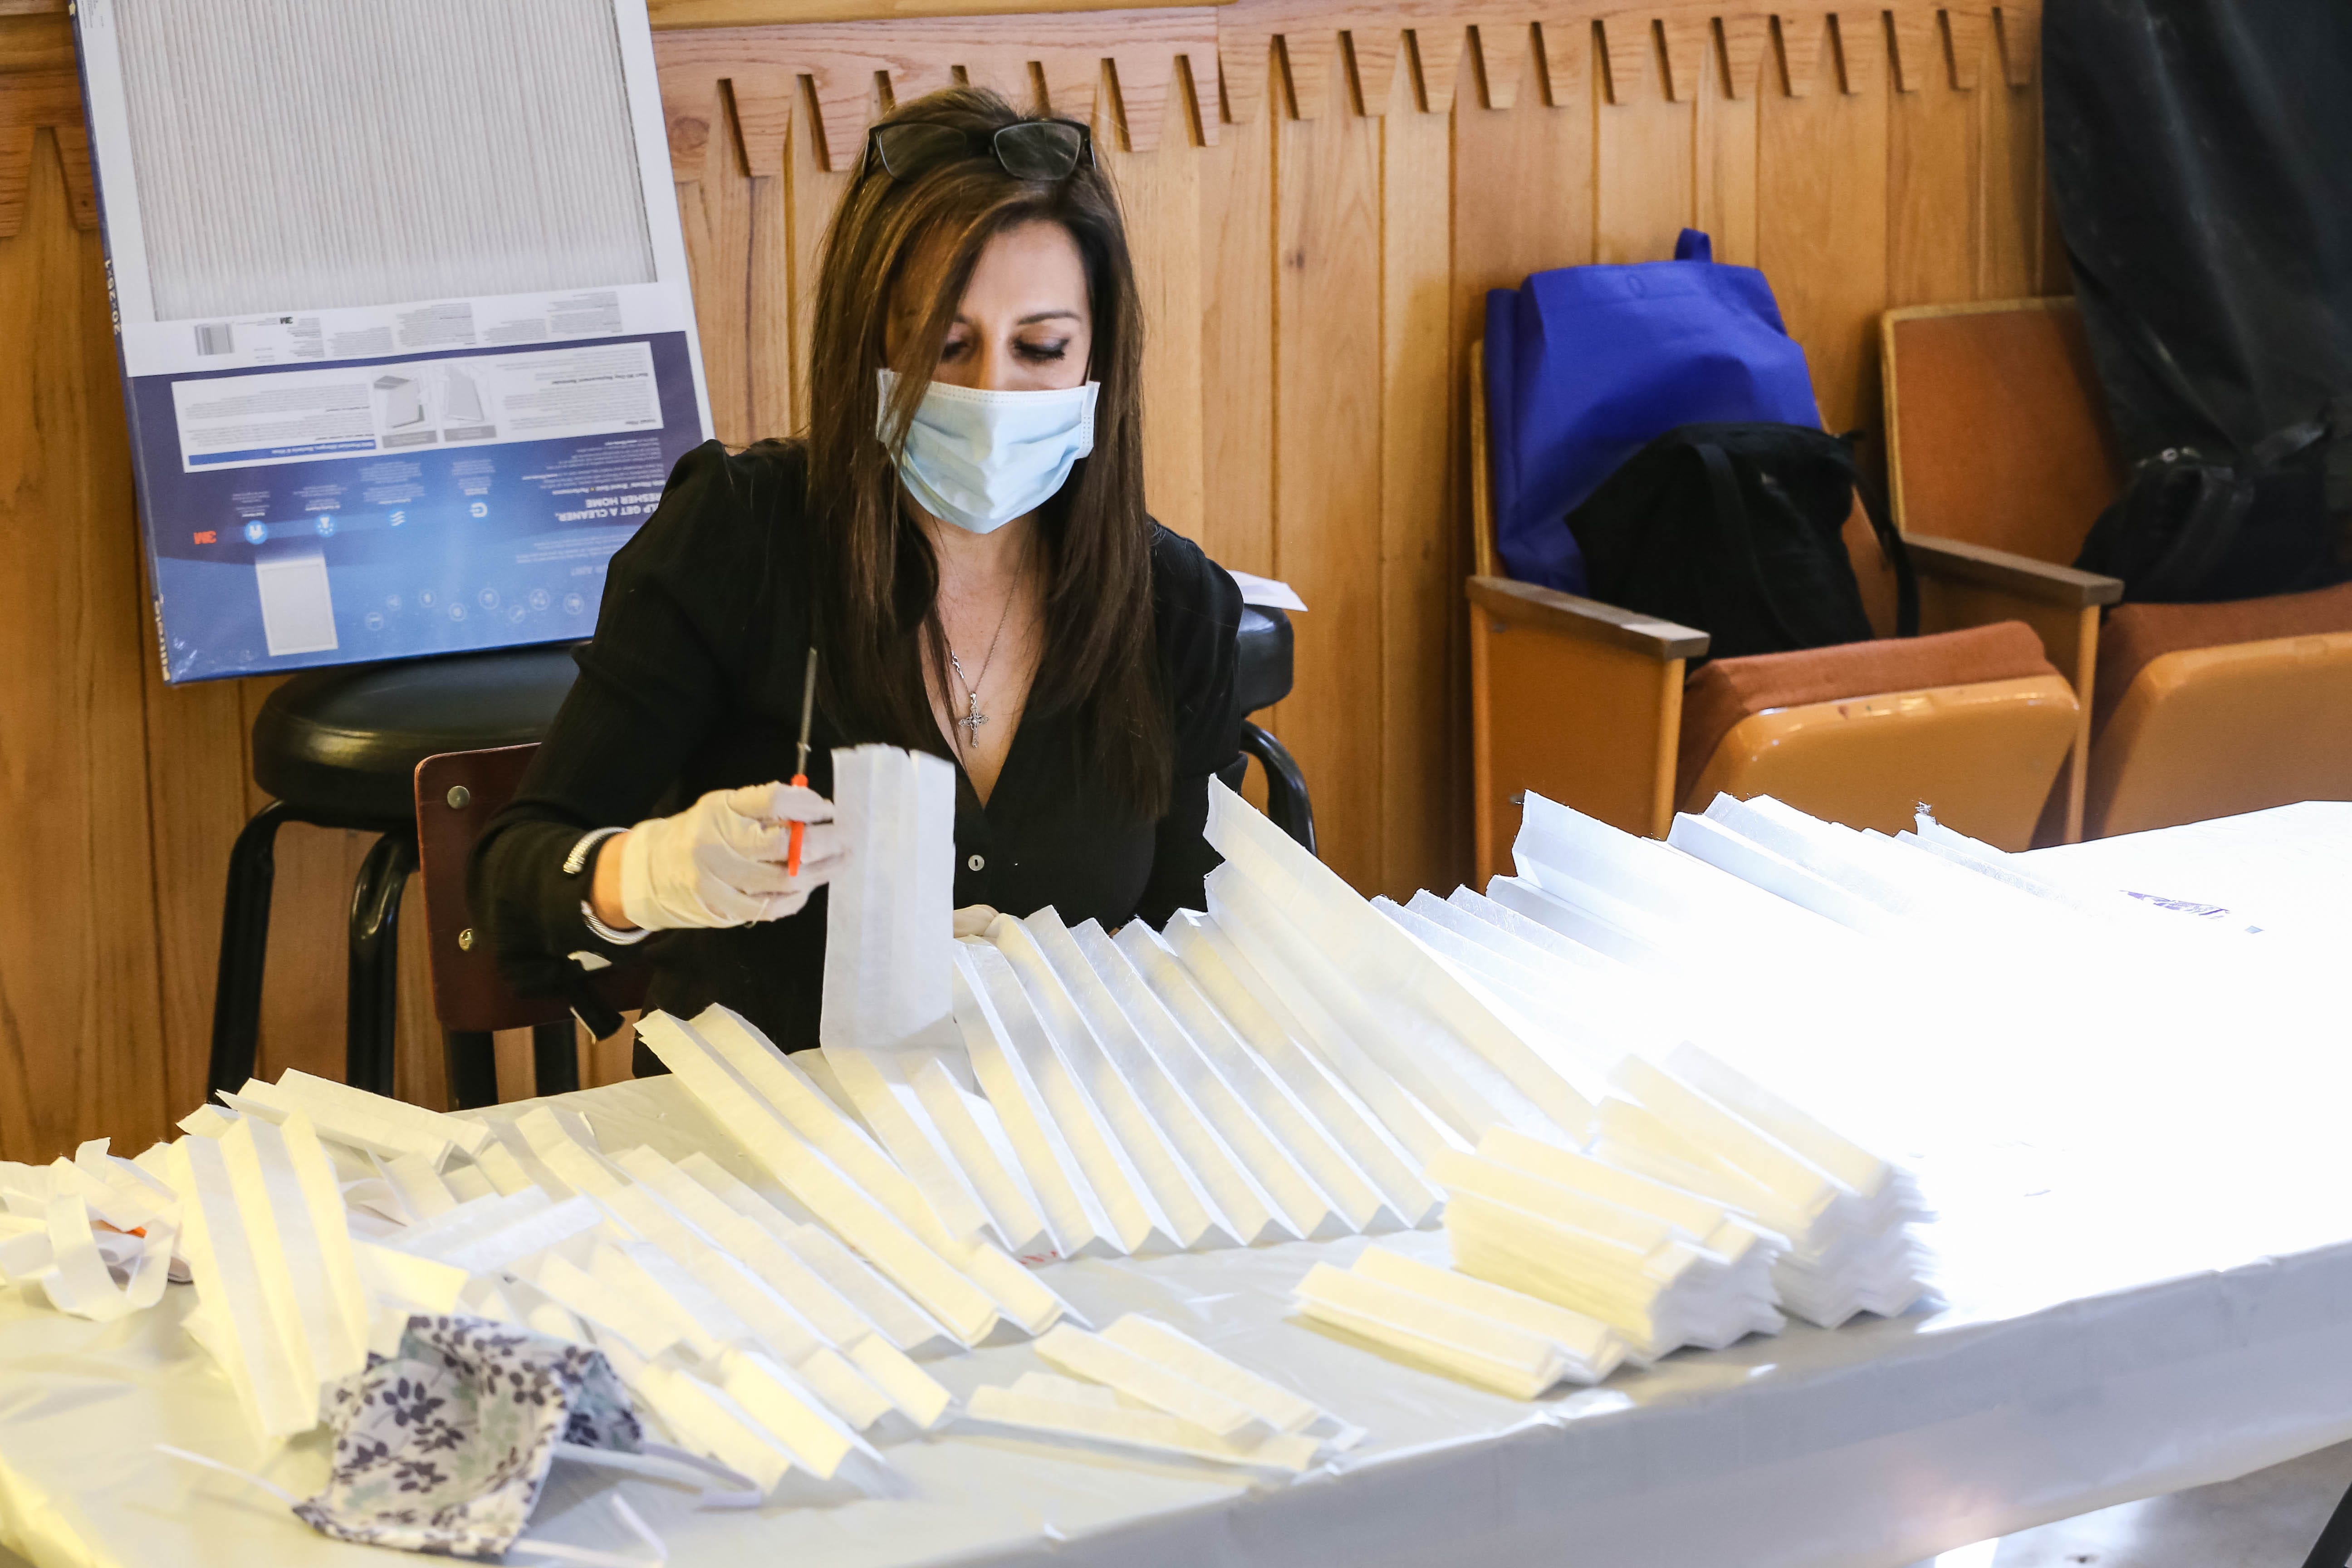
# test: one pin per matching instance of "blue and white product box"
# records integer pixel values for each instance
(383, 480)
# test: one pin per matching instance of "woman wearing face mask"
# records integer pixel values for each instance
(962, 538)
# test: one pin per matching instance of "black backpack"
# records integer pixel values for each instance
(2187, 530)
(1738, 530)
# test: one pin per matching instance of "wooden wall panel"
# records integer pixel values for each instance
(80, 1007)
(1724, 153)
(196, 803)
(1645, 156)
(1420, 821)
(1159, 192)
(1327, 423)
(1238, 343)
(1320, 197)
(2008, 250)
(1821, 219)
(1935, 150)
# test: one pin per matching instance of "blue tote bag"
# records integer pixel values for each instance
(1585, 365)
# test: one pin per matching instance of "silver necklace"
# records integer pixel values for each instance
(973, 718)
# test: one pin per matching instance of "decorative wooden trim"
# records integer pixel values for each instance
(1627, 49)
(1743, 40)
(40, 89)
(1918, 47)
(1800, 50)
(1208, 62)
(1861, 41)
(1964, 33)
(847, 67)
(2020, 43)
(1684, 41)
(680, 16)
(1504, 50)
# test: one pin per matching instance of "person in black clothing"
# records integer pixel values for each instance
(962, 538)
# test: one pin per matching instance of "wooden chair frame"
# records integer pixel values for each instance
(1971, 584)
(1612, 672)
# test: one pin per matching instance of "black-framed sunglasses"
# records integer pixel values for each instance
(1026, 150)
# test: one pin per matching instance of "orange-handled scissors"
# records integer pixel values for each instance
(800, 761)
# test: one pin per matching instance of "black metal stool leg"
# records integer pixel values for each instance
(555, 1056)
(2334, 1548)
(1286, 806)
(245, 947)
(374, 967)
(473, 1058)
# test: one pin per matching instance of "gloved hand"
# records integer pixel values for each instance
(973, 919)
(720, 862)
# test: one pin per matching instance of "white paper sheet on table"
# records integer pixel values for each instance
(1266, 591)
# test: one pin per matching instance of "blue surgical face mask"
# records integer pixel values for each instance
(979, 459)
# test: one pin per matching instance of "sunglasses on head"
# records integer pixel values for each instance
(1026, 150)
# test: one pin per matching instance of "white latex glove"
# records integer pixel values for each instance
(973, 919)
(720, 862)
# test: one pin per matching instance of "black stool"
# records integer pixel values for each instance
(1262, 675)
(339, 748)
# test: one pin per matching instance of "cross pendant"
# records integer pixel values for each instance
(973, 719)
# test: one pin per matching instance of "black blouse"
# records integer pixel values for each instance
(693, 683)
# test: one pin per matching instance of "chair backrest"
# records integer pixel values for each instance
(1996, 431)
(458, 793)
(1263, 658)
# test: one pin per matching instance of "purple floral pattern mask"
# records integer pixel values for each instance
(444, 1445)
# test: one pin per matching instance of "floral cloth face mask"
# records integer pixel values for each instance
(444, 1445)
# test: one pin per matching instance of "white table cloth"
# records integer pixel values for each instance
(2106, 1333)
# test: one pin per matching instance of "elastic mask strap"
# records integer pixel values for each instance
(661, 1462)
(272, 1488)
(594, 1558)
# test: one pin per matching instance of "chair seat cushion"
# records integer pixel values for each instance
(1725, 690)
(2137, 635)
(342, 744)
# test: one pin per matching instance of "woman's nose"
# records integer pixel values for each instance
(993, 368)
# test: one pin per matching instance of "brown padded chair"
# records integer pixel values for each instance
(458, 793)
(1997, 433)
(1586, 704)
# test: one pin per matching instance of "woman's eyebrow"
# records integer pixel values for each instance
(1048, 316)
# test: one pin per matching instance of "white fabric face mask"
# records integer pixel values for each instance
(979, 459)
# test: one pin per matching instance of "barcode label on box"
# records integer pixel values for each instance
(215, 338)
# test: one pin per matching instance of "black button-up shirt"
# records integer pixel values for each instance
(693, 683)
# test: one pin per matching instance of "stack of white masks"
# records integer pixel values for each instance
(1515, 1344)
(1844, 1213)
(1658, 1266)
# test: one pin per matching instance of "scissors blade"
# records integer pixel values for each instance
(808, 711)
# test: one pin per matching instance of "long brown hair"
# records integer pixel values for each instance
(879, 579)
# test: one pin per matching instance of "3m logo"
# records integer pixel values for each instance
(208, 536)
